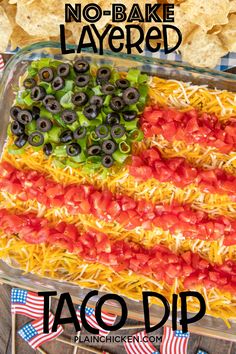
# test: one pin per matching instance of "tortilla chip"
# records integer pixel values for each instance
(232, 7)
(20, 38)
(203, 49)
(215, 30)
(228, 34)
(5, 30)
(207, 13)
(38, 19)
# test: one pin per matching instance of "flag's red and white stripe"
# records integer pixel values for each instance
(33, 307)
(173, 342)
(2, 65)
(140, 344)
(41, 337)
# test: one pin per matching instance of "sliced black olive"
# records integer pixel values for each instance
(117, 131)
(107, 161)
(108, 88)
(47, 149)
(113, 118)
(48, 98)
(68, 116)
(73, 149)
(97, 101)
(63, 70)
(36, 139)
(46, 74)
(14, 111)
(122, 84)
(91, 111)
(117, 103)
(35, 112)
(131, 95)
(58, 83)
(102, 131)
(17, 128)
(44, 124)
(29, 83)
(80, 98)
(94, 150)
(53, 107)
(80, 133)
(25, 117)
(81, 66)
(38, 93)
(103, 75)
(66, 136)
(82, 80)
(109, 146)
(21, 140)
(129, 115)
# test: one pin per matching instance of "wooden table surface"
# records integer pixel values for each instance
(212, 346)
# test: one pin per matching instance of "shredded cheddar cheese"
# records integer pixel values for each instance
(120, 181)
(56, 263)
(212, 251)
(186, 96)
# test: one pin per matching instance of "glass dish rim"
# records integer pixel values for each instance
(134, 57)
(142, 59)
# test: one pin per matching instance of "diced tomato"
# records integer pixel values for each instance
(114, 209)
(55, 191)
(142, 172)
(127, 203)
(187, 257)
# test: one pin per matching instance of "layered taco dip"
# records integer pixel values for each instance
(122, 182)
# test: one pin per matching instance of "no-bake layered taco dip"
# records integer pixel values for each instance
(122, 182)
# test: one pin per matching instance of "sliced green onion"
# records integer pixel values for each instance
(130, 125)
(32, 72)
(58, 164)
(71, 163)
(143, 79)
(143, 90)
(28, 101)
(39, 64)
(45, 113)
(58, 119)
(74, 126)
(119, 156)
(69, 85)
(133, 75)
(14, 151)
(82, 142)
(97, 90)
(54, 134)
(80, 158)
(107, 100)
(124, 147)
(93, 136)
(66, 100)
(136, 135)
(60, 151)
(31, 127)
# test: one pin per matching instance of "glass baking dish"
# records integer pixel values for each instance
(15, 68)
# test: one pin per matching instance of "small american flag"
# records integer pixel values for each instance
(26, 303)
(1, 63)
(108, 318)
(174, 342)
(200, 351)
(33, 334)
(140, 345)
